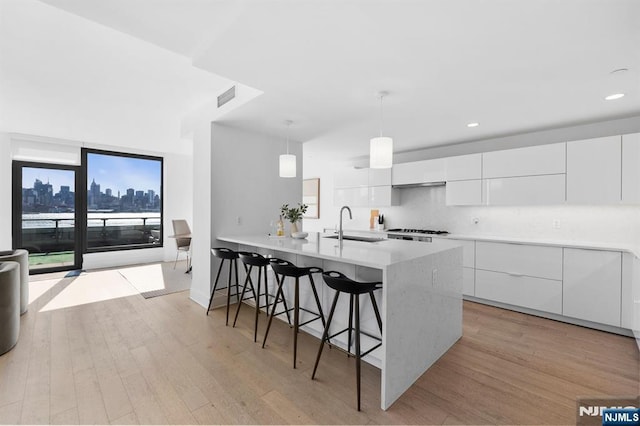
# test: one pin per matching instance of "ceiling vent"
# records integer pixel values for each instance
(227, 96)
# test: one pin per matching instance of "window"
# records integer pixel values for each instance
(123, 200)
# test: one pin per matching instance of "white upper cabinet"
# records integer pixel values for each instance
(351, 178)
(463, 167)
(594, 171)
(418, 172)
(464, 193)
(529, 161)
(379, 177)
(631, 168)
(525, 190)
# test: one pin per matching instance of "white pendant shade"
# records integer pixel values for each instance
(287, 166)
(381, 153)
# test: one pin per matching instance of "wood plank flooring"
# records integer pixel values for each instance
(132, 360)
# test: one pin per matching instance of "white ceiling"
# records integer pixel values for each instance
(513, 66)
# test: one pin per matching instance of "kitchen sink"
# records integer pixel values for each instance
(355, 238)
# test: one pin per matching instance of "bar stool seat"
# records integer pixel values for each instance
(343, 284)
(251, 260)
(284, 268)
(225, 254)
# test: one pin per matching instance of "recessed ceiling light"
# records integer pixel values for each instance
(614, 96)
(473, 124)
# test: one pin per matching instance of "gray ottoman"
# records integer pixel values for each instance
(22, 257)
(9, 305)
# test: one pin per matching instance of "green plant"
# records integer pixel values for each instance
(293, 214)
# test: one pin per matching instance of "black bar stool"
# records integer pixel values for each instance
(283, 269)
(260, 262)
(343, 284)
(232, 256)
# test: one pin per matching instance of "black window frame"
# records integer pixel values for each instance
(85, 205)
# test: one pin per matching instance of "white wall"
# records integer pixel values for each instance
(246, 192)
(5, 191)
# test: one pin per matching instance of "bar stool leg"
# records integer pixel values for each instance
(247, 280)
(215, 285)
(351, 296)
(266, 290)
(273, 309)
(325, 334)
(255, 323)
(229, 289)
(357, 331)
(284, 301)
(375, 309)
(315, 295)
(296, 319)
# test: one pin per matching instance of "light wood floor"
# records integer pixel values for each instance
(131, 360)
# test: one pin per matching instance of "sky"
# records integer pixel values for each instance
(121, 173)
(117, 173)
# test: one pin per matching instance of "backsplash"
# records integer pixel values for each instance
(425, 208)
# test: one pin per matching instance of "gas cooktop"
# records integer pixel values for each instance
(418, 231)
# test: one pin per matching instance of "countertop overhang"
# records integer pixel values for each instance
(377, 254)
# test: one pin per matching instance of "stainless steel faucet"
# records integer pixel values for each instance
(350, 217)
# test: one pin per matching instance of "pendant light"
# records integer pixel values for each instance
(381, 148)
(288, 161)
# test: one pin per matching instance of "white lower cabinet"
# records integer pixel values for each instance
(518, 274)
(468, 281)
(520, 290)
(592, 285)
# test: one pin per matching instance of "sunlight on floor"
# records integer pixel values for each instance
(38, 288)
(145, 278)
(89, 288)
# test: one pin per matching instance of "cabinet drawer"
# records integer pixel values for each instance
(520, 259)
(468, 252)
(529, 161)
(529, 292)
(530, 190)
(468, 281)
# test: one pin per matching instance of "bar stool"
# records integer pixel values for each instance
(284, 268)
(343, 284)
(261, 262)
(232, 256)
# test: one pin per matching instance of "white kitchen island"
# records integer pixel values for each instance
(421, 304)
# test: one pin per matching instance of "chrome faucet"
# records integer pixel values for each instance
(340, 233)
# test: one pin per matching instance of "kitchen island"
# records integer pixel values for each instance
(421, 301)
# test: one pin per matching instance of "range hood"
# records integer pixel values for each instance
(420, 185)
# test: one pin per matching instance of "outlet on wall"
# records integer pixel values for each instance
(239, 220)
(556, 224)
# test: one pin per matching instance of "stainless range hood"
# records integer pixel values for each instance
(419, 185)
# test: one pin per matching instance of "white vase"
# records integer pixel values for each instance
(294, 228)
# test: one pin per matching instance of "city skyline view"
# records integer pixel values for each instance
(110, 172)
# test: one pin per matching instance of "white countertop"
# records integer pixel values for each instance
(594, 245)
(372, 254)
(558, 243)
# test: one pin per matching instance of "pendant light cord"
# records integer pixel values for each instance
(288, 126)
(380, 124)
